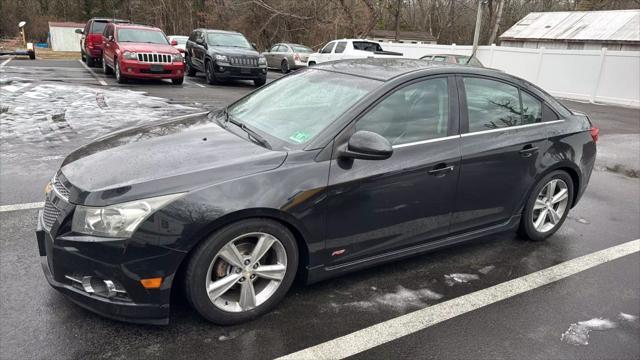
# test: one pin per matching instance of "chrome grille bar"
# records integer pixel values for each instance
(154, 58)
(243, 61)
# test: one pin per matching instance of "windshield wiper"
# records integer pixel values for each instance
(252, 134)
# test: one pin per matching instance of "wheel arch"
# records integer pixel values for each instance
(567, 167)
(281, 217)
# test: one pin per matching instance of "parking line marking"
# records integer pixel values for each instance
(102, 82)
(407, 324)
(194, 83)
(6, 62)
(26, 206)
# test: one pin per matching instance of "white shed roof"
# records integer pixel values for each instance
(614, 25)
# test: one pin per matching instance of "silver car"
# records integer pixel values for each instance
(287, 57)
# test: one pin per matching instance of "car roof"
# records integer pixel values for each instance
(385, 69)
(136, 26)
(110, 20)
(218, 31)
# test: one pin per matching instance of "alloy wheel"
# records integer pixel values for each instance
(246, 272)
(550, 205)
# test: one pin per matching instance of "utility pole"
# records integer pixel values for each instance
(476, 34)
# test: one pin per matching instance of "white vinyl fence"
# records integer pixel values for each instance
(591, 75)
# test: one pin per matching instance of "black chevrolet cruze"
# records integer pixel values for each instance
(334, 168)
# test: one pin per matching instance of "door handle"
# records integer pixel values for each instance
(441, 170)
(528, 150)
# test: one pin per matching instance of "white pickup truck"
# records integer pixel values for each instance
(350, 49)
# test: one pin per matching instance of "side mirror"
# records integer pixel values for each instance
(174, 42)
(255, 46)
(367, 145)
(110, 38)
(79, 31)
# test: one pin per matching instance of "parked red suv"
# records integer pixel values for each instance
(91, 40)
(138, 51)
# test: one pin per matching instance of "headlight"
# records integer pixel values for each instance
(119, 220)
(176, 58)
(221, 58)
(262, 60)
(130, 55)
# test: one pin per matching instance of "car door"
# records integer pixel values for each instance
(325, 53)
(198, 50)
(271, 54)
(108, 44)
(500, 152)
(338, 51)
(375, 206)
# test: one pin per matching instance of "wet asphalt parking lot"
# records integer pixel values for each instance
(48, 108)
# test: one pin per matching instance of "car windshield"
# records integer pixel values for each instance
(301, 49)
(232, 40)
(141, 36)
(296, 108)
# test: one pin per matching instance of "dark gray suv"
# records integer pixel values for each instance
(224, 55)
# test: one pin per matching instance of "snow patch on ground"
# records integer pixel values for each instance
(459, 278)
(487, 269)
(627, 317)
(578, 333)
(400, 300)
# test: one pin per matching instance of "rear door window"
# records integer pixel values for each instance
(98, 27)
(491, 104)
(439, 58)
(531, 109)
(367, 46)
(274, 48)
(340, 47)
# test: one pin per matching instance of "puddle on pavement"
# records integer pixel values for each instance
(41, 118)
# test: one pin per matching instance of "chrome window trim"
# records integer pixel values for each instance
(426, 141)
(511, 128)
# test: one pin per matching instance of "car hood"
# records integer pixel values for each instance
(228, 50)
(182, 154)
(146, 47)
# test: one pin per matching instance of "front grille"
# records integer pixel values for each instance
(154, 58)
(243, 61)
(50, 214)
(60, 188)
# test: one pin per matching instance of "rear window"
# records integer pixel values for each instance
(301, 49)
(98, 26)
(367, 46)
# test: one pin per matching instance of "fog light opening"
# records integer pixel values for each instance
(93, 285)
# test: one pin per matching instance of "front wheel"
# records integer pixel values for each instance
(259, 82)
(119, 78)
(242, 271)
(177, 81)
(105, 68)
(547, 206)
(210, 73)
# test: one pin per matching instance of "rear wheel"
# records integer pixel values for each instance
(241, 271)
(284, 66)
(547, 206)
(90, 61)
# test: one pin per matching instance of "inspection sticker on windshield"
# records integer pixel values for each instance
(299, 137)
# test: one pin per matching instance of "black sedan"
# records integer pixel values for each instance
(334, 168)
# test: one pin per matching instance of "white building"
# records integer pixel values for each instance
(576, 30)
(63, 37)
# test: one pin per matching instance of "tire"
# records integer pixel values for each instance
(119, 78)
(105, 68)
(205, 267)
(259, 82)
(311, 63)
(284, 66)
(178, 81)
(209, 73)
(90, 61)
(190, 71)
(538, 205)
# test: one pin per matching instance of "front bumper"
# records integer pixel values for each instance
(225, 71)
(141, 70)
(109, 261)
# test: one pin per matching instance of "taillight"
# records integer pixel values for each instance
(296, 56)
(595, 132)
